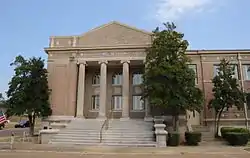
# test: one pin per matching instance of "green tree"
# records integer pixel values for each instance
(226, 91)
(28, 91)
(2, 101)
(168, 81)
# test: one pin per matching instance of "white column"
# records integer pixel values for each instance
(81, 89)
(125, 89)
(103, 89)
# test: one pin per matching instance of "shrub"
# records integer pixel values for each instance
(225, 130)
(192, 138)
(237, 139)
(173, 139)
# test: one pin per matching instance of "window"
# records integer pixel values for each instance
(216, 70)
(194, 68)
(95, 102)
(96, 79)
(138, 104)
(137, 78)
(236, 75)
(117, 79)
(246, 71)
(117, 102)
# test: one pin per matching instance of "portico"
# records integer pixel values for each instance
(110, 85)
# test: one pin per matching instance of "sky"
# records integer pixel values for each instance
(25, 26)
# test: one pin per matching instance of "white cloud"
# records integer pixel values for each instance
(174, 9)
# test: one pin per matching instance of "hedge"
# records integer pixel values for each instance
(237, 139)
(173, 139)
(225, 130)
(192, 138)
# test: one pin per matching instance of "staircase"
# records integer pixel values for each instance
(118, 133)
(79, 132)
(129, 133)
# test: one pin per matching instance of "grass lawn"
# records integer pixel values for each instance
(18, 139)
(15, 119)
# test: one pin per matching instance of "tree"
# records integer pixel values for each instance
(2, 101)
(168, 81)
(28, 91)
(226, 91)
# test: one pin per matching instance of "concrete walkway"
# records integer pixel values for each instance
(125, 150)
(53, 154)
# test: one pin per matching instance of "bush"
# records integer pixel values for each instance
(225, 130)
(237, 139)
(173, 139)
(192, 138)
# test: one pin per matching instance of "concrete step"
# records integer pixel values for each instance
(78, 134)
(76, 140)
(128, 132)
(127, 139)
(79, 131)
(125, 135)
(75, 143)
(129, 144)
(79, 138)
(130, 129)
(75, 137)
(119, 133)
(104, 144)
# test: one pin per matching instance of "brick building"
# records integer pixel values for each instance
(99, 71)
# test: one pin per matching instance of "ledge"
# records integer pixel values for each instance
(49, 131)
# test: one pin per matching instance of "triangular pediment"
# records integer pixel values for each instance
(113, 34)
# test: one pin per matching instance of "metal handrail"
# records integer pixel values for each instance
(105, 124)
(102, 129)
(108, 118)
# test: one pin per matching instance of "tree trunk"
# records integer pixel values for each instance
(215, 123)
(218, 122)
(176, 123)
(32, 124)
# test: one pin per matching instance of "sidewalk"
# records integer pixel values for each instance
(124, 150)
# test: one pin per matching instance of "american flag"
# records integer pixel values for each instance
(2, 117)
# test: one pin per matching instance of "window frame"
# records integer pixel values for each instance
(134, 105)
(93, 101)
(236, 72)
(96, 77)
(245, 68)
(137, 80)
(117, 76)
(114, 107)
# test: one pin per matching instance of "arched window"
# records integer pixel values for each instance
(137, 78)
(96, 79)
(117, 78)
